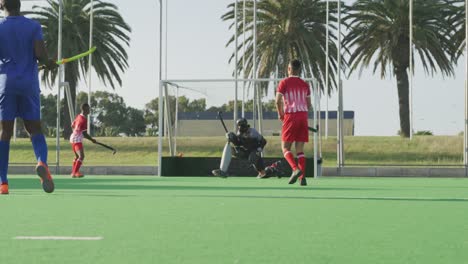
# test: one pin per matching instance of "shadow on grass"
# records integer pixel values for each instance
(129, 184)
(399, 199)
(80, 187)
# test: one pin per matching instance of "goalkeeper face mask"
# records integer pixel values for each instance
(243, 129)
(242, 125)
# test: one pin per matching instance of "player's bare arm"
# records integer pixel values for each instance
(279, 106)
(42, 55)
(88, 137)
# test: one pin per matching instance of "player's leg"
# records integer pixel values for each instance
(225, 162)
(291, 161)
(29, 110)
(79, 162)
(74, 160)
(302, 136)
(301, 161)
(257, 161)
(287, 139)
(286, 147)
(8, 111)
(38, 140)
(6, 131)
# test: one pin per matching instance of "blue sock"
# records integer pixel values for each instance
(4, 156)
(40, 147)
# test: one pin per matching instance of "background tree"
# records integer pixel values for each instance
(110, 113)
(134, 123)
(82, 98)
(110, 59)
(457, 19)
(270, 106)
(49, 114)
(286, 29)
(197, 105)
(151, 114)
(379, 33)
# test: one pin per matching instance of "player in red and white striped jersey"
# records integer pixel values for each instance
(79, 127)
(293, 104)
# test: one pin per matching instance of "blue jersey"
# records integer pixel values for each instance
(18, 62)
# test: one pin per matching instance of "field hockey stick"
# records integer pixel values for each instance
(222, 121)
(76, 57)
(315, 130)
(224, 125)
(107, 147)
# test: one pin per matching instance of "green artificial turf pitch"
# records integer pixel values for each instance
(236, 220)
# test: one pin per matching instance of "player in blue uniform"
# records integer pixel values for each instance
(21, 48)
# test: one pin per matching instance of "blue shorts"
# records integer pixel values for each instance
(28, 107)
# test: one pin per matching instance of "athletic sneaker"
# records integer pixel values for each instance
(46, 179)
(279, 172)
(78, 175)
(303, 181)
(265, 176)
(219, 173)
(295, 174)
(276, 169)
(4, 188)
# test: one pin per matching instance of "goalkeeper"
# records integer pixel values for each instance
(248, 145)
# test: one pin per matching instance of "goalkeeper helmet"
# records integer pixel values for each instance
(242, 125)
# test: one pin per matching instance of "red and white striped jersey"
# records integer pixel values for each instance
(79, 125)
(296, 93)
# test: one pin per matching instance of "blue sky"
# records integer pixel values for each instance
(196, 50)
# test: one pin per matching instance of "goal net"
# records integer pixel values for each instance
(191, 109)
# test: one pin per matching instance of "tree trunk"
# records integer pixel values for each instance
(67, 122)
(403, 101)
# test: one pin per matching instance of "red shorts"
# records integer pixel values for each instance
(295, 127)
(77, 146)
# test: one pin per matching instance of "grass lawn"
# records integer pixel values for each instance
(236, 220)
(422, 150)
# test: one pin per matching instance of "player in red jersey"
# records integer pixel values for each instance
(293, 104)
(79, 127)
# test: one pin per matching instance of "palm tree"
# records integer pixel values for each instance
(458, 20)
(110, 59)
(379, 33)
(286, 29)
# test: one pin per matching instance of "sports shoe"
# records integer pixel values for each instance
(78, 175)
(4, 188)
(219, 173)
(265, 176)
(46, 179)
(275, 169)
(303, 181)
(295, 174)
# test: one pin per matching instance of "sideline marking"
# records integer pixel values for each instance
(57, 238)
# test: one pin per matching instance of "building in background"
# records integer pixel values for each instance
(200, 124)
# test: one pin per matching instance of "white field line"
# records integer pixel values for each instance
(57, 238)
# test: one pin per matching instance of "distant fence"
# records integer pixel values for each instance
(193, 124)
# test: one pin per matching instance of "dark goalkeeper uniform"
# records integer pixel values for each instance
(249, 145)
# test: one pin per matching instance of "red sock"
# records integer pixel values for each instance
(290, 159)
(301, 162)
(74, 166)
(78, 165)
